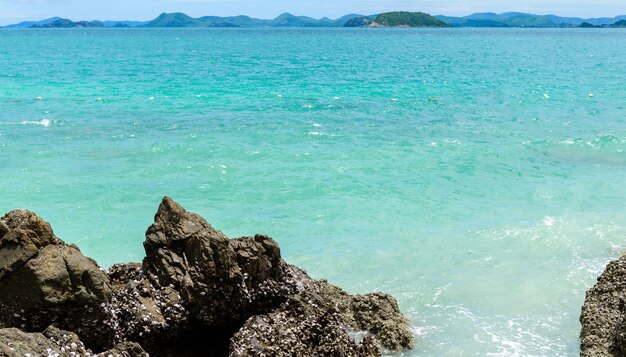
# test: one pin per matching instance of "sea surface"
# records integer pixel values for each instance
(476, 174)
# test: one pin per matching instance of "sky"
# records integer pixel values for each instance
(12, 11)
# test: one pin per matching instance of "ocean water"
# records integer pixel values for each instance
(477, 175)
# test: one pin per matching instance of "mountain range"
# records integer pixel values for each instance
(519, 19)
(508, 19)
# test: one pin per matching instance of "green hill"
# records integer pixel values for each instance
(239, 21)
(27, 24)
(67, 24)
(358, 22)
(620, 23)
(289, 20)
(176, 19)
(408, 19)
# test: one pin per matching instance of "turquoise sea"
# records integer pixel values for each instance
(476, 174)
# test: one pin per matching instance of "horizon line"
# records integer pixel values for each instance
(317, 18)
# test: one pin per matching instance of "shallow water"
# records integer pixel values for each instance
(468, 172)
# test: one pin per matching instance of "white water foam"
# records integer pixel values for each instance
(42, 122)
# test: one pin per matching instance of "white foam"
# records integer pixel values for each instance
(42, 122)
(548, 221)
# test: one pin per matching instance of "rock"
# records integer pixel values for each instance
(258, 258)
(152, 316)
(603, 313)
(125, 349)
(14, 342)
(56, 342)
(321, 319)
(22, 235)
(376, 313)
(379, 314)
(222, 282)
(197, 293)
(184, 251)
(262, 268)
(45, 281)
(300, 327)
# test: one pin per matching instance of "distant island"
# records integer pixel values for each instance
(618, 24)
(65, 23)
(388, 19)
(396, 19)
(407, 19)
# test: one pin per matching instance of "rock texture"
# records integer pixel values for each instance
(57, 343)
(197, 293)
(603, 316)
(43, 280)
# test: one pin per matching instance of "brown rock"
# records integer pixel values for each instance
(603, 313)
(184, 251)
(22, 235)
(303, 326)
(197, 293)
(45, 281)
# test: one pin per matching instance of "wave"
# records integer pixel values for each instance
(42, 122)
(600, 149)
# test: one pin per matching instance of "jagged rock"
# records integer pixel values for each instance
(47, 281)
(321, 319)
(258, 258)
(603, 313)
(197, 293)
(183, 250)
(376, 313)
(222, 282)
(153, 316)
(22, 235)
(302, 326)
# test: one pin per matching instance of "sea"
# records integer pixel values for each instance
(478, 175)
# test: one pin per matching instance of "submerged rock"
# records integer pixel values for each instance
(604, 312)
(197, 293)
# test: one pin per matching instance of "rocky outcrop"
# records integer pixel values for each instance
(321, 319)
(603, 316)
(45, 281)
(55, 342)
(197, 293)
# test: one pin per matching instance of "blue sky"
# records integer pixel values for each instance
(12, 11)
